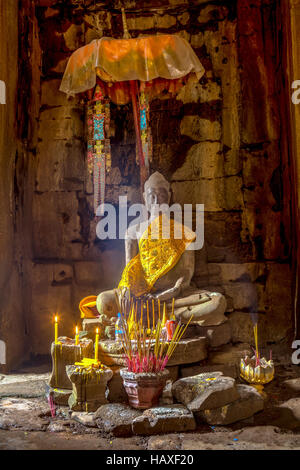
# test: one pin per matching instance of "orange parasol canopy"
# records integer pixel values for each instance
(117, 60)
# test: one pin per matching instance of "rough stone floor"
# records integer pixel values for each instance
(26, 423)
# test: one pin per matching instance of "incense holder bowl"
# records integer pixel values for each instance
(257, 374)
(144, 389)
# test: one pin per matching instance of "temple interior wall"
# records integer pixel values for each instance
(219, 142)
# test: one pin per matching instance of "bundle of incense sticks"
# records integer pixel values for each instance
(148, 353)
(142, 310)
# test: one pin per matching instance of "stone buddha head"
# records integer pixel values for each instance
(156, 191)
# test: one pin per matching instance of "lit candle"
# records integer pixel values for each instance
(56, 329)
(96, 344)
(158, 309)
(173, 306)
(76, 336)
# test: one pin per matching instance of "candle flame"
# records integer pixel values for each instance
(76, 329)
(97, 331)
(56, 318)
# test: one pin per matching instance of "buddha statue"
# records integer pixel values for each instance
(162, 268)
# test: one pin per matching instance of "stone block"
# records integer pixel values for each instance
(88, 272)
(164, 419)
(200, 129)
(189, 351)
(226, 273)
(74, 37)
(216, 335)
(62, 123)
(222, 48)
(116, 419)
(212, 13)
(57, 235)
(203, 160)
(227, 370)
(205, 391)
(194, 91)
(223, 238)
(61, 165)
(89, 325)
(164, 21)
(51, 96)
(244, 295)
(230, 354)
(184, 18)
(248, 403)
(141, 22)
(216, 195)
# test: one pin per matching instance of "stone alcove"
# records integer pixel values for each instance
(219, 143)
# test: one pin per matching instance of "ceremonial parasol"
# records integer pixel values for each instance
(123, 70)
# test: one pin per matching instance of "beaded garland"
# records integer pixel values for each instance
(98, 145)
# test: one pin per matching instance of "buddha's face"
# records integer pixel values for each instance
(156, 196)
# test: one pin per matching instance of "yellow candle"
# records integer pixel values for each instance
(158, 309)
(96, 344)
(173, 306)
(56, 329)
(76, 336)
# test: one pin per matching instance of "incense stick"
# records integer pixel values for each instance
(153, 313)
(148, 319)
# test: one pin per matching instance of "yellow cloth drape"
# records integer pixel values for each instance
(157, 255)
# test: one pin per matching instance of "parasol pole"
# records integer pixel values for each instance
(136, 115)
(133, 92)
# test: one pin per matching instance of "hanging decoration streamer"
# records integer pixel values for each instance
(98, 147)
(145, 129)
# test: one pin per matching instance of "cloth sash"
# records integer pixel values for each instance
(160, 248)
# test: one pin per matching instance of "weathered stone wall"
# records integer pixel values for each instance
(10, 309)
(218, 142)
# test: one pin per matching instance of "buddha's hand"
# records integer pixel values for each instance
(178, 283)
(169, 293)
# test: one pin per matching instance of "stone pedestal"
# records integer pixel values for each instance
(59, 396)
(89, 387)
(187, 351)
(106, 328)
(65, 353)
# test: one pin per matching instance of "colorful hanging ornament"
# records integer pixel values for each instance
(98, 145)
(145, 129)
